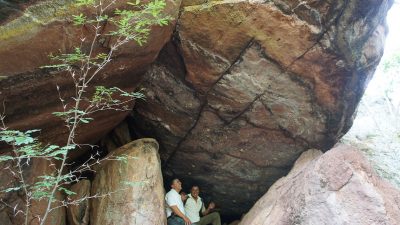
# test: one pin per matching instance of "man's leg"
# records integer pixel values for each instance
(212, 218)
(175, 220)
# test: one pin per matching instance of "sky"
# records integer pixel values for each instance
(393, 20)
(392, 46)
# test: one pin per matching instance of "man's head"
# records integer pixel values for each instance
(195, 191)
(183, 196)
(176, 185)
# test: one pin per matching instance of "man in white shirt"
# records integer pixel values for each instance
(194, 205)
(175, 208)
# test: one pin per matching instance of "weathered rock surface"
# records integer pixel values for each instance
(5, 218)
(118, 137)
(338, 187)
(241, 90)
(135, 188)
(79, 214)
(9, 8)
(246, 86)
(12, 202)
(39, 28)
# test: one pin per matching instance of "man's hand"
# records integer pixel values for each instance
(178, 212)
(187, 221)
(211, 206)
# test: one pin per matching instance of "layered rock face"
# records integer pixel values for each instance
(40, 28)
(246, 86)
(130, 192)
(238, 93)
(338, 187)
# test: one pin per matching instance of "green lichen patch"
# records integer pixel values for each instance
(36, 16)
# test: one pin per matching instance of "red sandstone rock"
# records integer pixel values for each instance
(30, 94)
(243, 88)
(338, 187)
(261, 82)
(133, 190)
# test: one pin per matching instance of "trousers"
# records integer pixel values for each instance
(212, 218)
(175, 220)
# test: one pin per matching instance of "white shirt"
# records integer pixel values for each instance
(173, 198)
(193, 207)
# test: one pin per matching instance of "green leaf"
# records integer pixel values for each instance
(84, 2)
(79, 19)
(85, 120)
(23, 140)
(66, 191)
(69, 147)
(18, 138)
(101, 56)
(102, 18)
(49, 149)
(12, 189)
(58, 152)
(32, 131)
(57, 66)
(4, 158)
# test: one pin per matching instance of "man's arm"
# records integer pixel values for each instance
(211, 206)
(178, 212)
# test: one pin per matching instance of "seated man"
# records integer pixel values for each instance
(194, 205)
(175, 208)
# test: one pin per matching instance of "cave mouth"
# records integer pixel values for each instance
(125, 133)
(227, 215)
(208, 192)
(161, 130)
(227, 119)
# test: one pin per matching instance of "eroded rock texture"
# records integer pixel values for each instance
(129, 192)
(247, 85)
(238, 93)
(338, 187)
(40, 28)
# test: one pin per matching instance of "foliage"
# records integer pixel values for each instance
(132, 23)
(392, 63)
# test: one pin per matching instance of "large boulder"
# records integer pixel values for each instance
(30, 31)
(338, 187)
(239, 92)
(129, 192)
(246, 86)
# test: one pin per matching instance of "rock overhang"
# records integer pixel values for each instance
(240, 91)
(263, 81)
